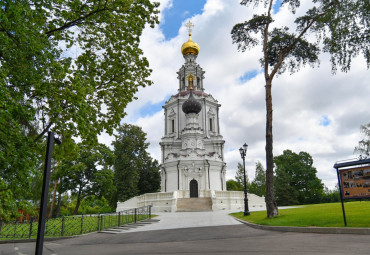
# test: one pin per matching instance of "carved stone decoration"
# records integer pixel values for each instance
(210, 113)
(192, 171)
(172, 114)
(200, 144)
(192, 143)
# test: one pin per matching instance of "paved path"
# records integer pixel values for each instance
(189, 220)
(229, 237)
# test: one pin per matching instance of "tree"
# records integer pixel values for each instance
(135, 172)
(82, 175)
(258, 185)
(363, 147)
(331, 196)
(69, 66)
(149, 178)
(342, 26)
(296, 180)
(19, 157)
(239, 176)
(233, 185)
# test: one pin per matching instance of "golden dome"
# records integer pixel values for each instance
(190, 47)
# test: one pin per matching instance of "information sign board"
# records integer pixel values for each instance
(355, 182)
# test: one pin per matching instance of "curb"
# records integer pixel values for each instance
(318, 230)
(34, 239)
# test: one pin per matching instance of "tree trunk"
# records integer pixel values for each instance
(271, 206)
(78, 201)
(58, 205)
(53, 201)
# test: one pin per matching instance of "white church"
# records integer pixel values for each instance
(193, 169)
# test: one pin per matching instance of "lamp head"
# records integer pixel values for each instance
(241, 152)
(245, 146)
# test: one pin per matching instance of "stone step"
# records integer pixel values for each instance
(125, 227)
(194, 204)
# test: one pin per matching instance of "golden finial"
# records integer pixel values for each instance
(189, 46)
(189, 25)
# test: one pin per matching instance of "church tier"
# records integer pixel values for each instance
(192, 146)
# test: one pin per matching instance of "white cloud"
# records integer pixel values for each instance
(299, 100)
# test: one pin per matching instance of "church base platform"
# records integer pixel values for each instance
(168, 201)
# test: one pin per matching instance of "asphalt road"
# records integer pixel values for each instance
(229, 239)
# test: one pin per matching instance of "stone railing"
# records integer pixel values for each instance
(227, 200)
(167, 201)
(161, 201)
(234, 200)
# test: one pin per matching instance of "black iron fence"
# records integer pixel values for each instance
(73, 225)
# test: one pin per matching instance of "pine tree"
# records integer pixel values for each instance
(341, 25)
(240, 176)
(258, 185)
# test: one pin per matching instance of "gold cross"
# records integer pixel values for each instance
(189, 25)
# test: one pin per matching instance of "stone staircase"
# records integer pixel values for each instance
(194, 204)
(127, 227)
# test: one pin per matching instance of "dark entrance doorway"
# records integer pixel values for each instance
(193, 188)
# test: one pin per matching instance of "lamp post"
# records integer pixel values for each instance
(44, 195)
(243, 153)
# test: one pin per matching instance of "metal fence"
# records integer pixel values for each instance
(73, 225)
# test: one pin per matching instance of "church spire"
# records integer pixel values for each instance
(190, 52)
(190, 47)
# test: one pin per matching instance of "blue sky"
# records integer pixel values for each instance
(150, 108)
(180, 11)
(184, 9)
(276, 6)
(325, 121)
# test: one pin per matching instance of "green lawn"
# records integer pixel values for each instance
(318, 215)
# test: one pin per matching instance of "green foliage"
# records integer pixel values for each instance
(258, 185)
(82, 176)
(94, 205)
(233, 185)
(331, 196)
(43, 71)
(296, 181)
(319, 215)
(240, 176)
(342, 27)
(69, 66)
(149, 179)
(363, 148)
(8, 205)
(135, 172)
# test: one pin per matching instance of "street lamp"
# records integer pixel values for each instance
(243, 153)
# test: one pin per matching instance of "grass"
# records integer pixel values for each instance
(317, 215)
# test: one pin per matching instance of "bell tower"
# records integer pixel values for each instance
(192, 146)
